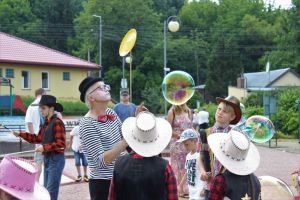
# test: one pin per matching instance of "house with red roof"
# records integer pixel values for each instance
(29, 66)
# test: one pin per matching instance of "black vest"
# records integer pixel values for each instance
(140, 179)
(238, 186)
(48, 133)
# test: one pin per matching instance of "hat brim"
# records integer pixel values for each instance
(57, 106)
(87, 86)
(40, 192)
(236, 108)
(164, 130)
(244, 167)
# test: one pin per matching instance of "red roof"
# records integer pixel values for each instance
(20, 51)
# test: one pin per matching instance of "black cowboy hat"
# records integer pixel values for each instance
(235, 104)
(49, 100)
(86, 84)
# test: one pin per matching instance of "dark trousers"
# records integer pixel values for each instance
(99, 189)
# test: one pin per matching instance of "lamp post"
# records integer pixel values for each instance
(100, 44)
(173, 24)
(128, 60)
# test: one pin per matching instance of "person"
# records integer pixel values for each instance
(52, 136)
(240, 159)
(75, 145)
(33, 121)
(17, 180)
(125, 109)
(142, 174)
(100, 134)
(203, 117)
(180, 118)
(228, 112)
(189, 138)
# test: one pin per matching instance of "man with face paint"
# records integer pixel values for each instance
(100, 132)
(52, 136)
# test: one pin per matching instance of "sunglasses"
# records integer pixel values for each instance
(102, 88)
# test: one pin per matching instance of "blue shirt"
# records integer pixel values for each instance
(125, 110)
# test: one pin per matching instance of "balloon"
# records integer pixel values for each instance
(178, 87)
(274, 188)
(260, 129)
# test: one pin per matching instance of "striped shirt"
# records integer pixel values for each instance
(96, 138)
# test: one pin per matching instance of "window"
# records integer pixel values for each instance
(66, 76)
(45, 80)
(1, 75)
(25, 80)
(9, 73)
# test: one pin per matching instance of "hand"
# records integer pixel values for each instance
(16, 133)
(40, 149)
(205, 176)
(202, 193)
(180, 189)
(140, 108)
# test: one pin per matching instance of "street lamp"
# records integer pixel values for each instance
(100, 44)
(173, 24)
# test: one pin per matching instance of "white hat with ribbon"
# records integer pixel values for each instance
(146, 134)
(235, 152)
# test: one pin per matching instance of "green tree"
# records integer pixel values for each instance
(16, 18)
(57, 20)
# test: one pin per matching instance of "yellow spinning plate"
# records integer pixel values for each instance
(128, 42)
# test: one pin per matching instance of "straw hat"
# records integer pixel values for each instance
(147, 135)
(17, 178)
(235, 152)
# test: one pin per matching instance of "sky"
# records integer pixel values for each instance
(283, 3)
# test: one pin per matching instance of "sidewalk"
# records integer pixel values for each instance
(290, 145)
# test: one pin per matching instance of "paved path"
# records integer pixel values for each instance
(276, 162)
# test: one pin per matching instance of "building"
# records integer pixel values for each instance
(262, 81)
(30, 66)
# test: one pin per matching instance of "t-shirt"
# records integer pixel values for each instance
(203, 117)
(76, 146)
(33, 116)
(192, 167)
(125, 110)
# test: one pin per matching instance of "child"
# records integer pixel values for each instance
(52, 136)
(228, 113)
(189, 138)
(78, 154)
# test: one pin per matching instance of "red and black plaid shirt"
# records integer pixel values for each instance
(59, 144)
(218, 188)
(170, 180)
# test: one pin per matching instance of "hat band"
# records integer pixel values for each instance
(145, 141)
(222, 146)
(15, 187)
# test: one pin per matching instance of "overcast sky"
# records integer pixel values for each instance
(277, 3)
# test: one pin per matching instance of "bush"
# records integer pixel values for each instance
(253, 110)
(211, 109)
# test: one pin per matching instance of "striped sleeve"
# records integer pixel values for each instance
(92, 144)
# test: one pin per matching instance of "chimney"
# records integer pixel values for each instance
(241, 81)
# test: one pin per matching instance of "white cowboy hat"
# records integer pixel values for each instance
(235, 152)
(147, 135)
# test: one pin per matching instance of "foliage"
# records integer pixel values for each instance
(286, 118)
(216, 42)
(253, 110)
